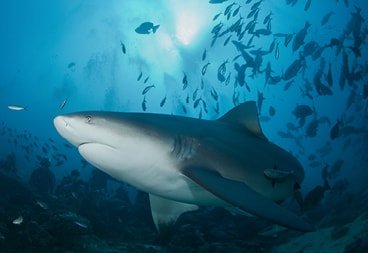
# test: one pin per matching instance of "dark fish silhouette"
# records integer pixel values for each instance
(335, 130)
(162, 103)
(123, 48)
(216, 1)
(147, 28)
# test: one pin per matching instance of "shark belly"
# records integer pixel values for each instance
(161, 178)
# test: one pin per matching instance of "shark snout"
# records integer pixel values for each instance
(65, 127)
(60, 124)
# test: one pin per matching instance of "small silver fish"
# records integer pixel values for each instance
(62, 105)
(74, 195)
(277, 51)
(17, 107)
(81, 224)
(41, 204)
(18, 220)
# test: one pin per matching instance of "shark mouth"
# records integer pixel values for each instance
(91, 143)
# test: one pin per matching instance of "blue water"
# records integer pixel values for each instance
(53, 51)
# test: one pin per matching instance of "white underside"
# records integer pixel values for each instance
(151, 170)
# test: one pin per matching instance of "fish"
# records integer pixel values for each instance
(335, 169)
(18, 220)
(144, 105)
(123, 48)
(221, 71)
(227, 40)
(310, 48)
(260, 99)
(184, 109)
(288, 39)
(74, 195)
(277, 51)
(185, 81)
(293, 69)
(267, 18)
(316, 195)
(204, 68)
(62, 105)
(162, 103)
(329, 76)
(196, 103)
(176, 160)
(17, 107)
(204, 55)
(146, 80)
(42, 204)
(288, 84)
(301, 111)
(147, 89)
(147, 28)
(326, 17)
(312, 128)
(236, 11)
(272, 111)
(300, 36)
(216, 1)
(81, 224)
(214, 94)
(194, 95)
(307, 5)
(139, 76)
(71, 65)
(228, 9)
(335, 130)
(216, 16)
(256, 5)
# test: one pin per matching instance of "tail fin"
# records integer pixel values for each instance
(154, 28)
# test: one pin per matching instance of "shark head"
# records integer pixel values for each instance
(114, 142)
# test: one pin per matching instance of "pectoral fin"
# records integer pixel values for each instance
(165, 212)
(245, 198)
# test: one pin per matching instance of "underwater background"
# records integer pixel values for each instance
(304, 62)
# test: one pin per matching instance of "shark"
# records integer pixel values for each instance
(184, 163)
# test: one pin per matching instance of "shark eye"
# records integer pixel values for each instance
(88, 119)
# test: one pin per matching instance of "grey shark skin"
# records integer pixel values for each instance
(185, 162)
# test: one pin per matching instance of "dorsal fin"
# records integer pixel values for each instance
(246, 115)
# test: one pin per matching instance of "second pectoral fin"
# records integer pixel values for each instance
(242, 196)
(165, 212)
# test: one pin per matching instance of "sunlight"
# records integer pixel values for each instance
(190, 19)
(187, 27)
